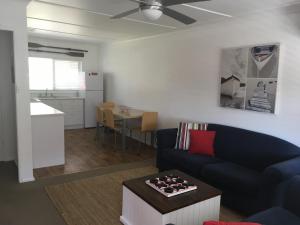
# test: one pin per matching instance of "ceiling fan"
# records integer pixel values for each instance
(154, 9)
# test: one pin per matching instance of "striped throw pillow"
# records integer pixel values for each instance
(183, 134)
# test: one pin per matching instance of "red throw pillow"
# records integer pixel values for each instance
(229, 223)
(202, 142)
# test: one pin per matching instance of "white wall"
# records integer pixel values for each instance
(90, 62)
(13, 18)
(177, 74)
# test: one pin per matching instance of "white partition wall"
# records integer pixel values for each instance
(13, 18)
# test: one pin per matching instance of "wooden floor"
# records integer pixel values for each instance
(98, 200)
(83, 153)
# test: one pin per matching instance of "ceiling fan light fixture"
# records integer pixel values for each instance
(153, 9)
(152, 14)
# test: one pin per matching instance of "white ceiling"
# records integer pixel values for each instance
(90, 19)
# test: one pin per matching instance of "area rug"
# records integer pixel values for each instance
(96, 200)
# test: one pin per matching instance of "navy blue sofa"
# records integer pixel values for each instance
(247, 165)
(286, 210)
(287, 206)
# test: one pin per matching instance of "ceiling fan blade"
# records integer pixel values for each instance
(127, 13)
(179, 2)
(178, 16)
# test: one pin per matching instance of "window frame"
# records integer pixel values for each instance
(80, 69)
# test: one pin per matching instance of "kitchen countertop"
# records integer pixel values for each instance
(41, 109)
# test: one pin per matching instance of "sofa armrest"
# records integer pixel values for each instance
(282, 171)
(166, 138)
(289, 195)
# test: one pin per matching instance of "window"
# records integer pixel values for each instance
(67, 75)
(41, 73)
(53, 74)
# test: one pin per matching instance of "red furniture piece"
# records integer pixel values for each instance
(229, 223)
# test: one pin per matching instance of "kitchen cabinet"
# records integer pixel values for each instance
(47, 126)
(73, 109)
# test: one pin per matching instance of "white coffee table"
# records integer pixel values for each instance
(142, 205)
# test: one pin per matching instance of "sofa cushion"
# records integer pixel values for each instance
(234, 177)
(251, 149)
(186, 161)
(275, 216)
(202, 142)
(183, 135)
(166, 138)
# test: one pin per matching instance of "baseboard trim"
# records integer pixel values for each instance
(73, 127)
(124, 221)
(25, 180)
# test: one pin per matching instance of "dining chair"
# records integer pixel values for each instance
(108, 104)
(148, 125)
(99, 120)
(111, 123)
(100, 115)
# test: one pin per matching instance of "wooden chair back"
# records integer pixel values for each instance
(99, 115)
(109, 118)
(149, 121)
(108, 105)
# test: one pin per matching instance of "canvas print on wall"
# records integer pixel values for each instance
(249, 78)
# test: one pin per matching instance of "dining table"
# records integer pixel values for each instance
(125, 113)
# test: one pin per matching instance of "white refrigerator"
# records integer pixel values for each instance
(93, 97)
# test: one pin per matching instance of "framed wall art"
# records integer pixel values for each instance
(249, 77)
